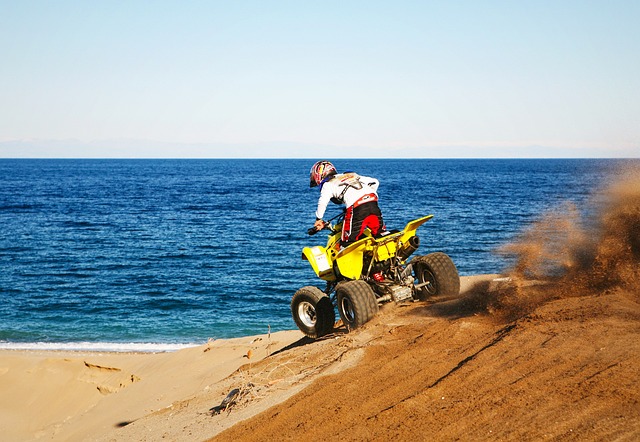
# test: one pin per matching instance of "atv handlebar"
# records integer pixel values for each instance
(327, 224)
(314, 229)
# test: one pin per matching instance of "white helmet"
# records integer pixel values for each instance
(320, 171)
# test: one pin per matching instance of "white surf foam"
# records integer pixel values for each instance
(123, 347)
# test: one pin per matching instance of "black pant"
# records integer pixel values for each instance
(360, 217)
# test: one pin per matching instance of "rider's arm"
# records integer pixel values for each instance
(325, 196)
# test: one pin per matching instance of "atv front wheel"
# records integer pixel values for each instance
(313, 312)
(356, 303)
(439, 274)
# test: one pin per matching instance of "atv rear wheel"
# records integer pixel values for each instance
(439, 273)
(313, 312)
(356, 303)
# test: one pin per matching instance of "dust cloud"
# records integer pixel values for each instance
(575, 251)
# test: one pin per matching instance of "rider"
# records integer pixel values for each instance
(358, 193)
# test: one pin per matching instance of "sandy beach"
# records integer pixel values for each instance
(54, 395)
(469, 368)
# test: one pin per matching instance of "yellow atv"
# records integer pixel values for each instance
(367, 273)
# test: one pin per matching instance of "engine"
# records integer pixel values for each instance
(400, 293)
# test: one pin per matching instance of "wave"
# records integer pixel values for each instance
(111, 347)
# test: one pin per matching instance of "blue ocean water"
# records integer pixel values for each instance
(149, 254)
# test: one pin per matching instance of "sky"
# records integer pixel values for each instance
(323, 79)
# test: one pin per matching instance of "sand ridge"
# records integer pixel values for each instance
(567, 369)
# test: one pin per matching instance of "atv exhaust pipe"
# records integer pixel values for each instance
(407, 249)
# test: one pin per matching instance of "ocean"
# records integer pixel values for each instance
(155, 255)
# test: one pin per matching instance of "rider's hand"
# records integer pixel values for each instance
(319, 224)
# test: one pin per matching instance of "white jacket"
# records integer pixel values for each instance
(348, 188)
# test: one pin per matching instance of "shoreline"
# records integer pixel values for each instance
(79, 394)
(97, 347)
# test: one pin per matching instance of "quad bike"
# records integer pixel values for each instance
(367, 273)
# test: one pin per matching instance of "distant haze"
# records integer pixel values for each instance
(281, 79)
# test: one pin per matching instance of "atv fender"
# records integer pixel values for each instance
(412, 226)
(349, 260)
(320, 262)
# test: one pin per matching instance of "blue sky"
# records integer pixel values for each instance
(334, 79)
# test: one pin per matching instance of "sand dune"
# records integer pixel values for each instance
(449, 371)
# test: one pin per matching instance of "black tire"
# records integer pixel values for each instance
(313, 312)
(441, 274)
(356, 303)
